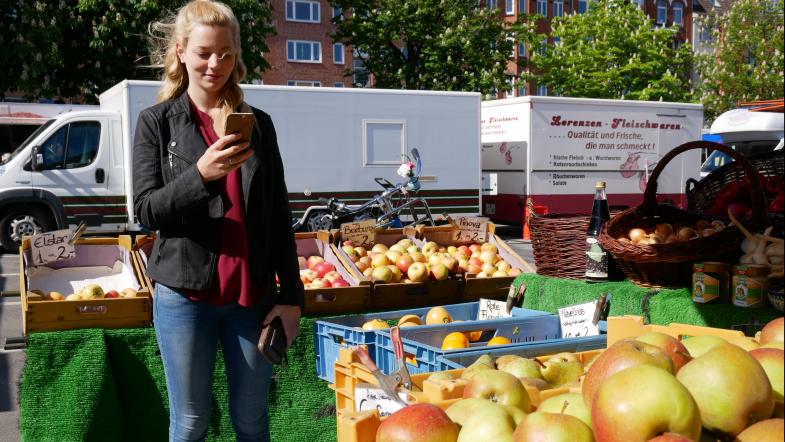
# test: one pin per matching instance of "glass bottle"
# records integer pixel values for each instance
(596, 256)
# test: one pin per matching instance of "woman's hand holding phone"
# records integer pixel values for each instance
(223, 156)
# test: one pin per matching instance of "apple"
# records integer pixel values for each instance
(489, 422)
(521, 368)
(380, 260)
(429, 248)
(562, 370)
(671, 437)
(417, 272)
(567, 403)
(332, 275)
(515, 271)
(392, 255)
(698, 345)
(313, 260)
(405, 243)
(57, 296)
(465, 250)
(730, 387)
(382, 274)
(774, 344)
(365, 259)
(398, 248)
(403, 262)
(488, 268)
(439, 272)
(128, 293)
(489, 257)
(375, 324)
(670, 345)
(367, 272)
(308, 275)
(474, 248)
(623, 354)
(340, 282)
(642, 401)
(498, 386)
(503, 266)
(361, 266)
(110, 294)
(769, 430)
(361, 251)
(773, 362)
(774, 331)
(73, 297)
(418, 423)
(322, 268)
(397, 275)
(379, 248)
(450, 263)
(460, 411)
(488, 247)
(320, 283)
(552, 427)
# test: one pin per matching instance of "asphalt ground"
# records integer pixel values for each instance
(12, 358)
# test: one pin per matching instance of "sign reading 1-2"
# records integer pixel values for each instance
(470, 229)
(52, 246)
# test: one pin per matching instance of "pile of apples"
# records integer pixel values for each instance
(87, 293)
(650, 388)
(316, 273)
(405, 262)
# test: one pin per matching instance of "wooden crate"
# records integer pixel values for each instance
(105, 313)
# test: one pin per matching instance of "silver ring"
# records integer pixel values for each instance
(230, 162)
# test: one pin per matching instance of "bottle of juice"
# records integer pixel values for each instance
(596, 257)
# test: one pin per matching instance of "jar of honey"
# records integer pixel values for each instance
(710, 282)
(750, 285)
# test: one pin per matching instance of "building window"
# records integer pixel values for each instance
(583, 5)
(361, 77)
(556, 41)
(304, 11)
(678, 12)
(543, 46)
(491, 4)
(304, 51)
(521, 88)
(662, 12)
(542, 90)
(705, 34)
(558, 8)
(542, 7)
(337, 12)
(338, 84)
(521, 49)
(509, 7)
(522, 9)
(510, 91)
(303, 83)
(641, 3)
(338, 53)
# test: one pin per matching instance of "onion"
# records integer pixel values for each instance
(663, 230)
(717, 225)
(702, 224)
(707, 232)
(686, 234)
(623, 239)
(672, 238)
(636, 235)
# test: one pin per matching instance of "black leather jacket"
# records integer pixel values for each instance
(170, 197)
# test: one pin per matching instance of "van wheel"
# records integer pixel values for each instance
(318, 220)
(22, 221)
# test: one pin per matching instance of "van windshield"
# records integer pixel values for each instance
(29, 139)
(717, 159)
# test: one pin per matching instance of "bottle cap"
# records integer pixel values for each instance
(600, 185)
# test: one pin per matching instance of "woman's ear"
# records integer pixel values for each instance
(180, 52)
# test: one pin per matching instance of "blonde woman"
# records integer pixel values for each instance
(222, 218)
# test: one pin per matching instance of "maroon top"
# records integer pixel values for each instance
(233, 282)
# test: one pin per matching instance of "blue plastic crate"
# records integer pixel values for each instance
(423, 347)
(333, 333)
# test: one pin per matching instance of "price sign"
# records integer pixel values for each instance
(492, 309)
(360, 233)
(52, 246)
(576, 321)
(470, 229)
(368, 397)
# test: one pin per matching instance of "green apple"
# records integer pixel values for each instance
(730, 387)
(698, 345)
(623, 354)
(672, 347)
(567, 403)
(774, 331)
(461, 410)
(641, 402)
(500, 387)
(552, 427)
(417, 423)
(488, 423)
(522, 368)
(773, 362)
(484, 362)
(769, 430)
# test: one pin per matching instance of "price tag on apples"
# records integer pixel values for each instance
(52, 246)
(360, 233)
(369, 397)
(470, 229)
(576, 321)
(492, 309)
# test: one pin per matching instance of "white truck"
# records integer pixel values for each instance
(333, 141)
(554, 149)
(19, 120)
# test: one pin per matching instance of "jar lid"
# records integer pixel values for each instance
(710, 266)
(751, 270)
(600, 185)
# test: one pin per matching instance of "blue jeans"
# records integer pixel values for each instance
(188, 333)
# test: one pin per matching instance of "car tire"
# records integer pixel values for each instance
(22, 220)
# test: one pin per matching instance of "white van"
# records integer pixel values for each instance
(19, 120)
(333, 141)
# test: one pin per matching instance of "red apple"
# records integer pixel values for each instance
(623, 354)
(439, 272)
(340, 282)
(640, 402)
(770, 430)
(730, 387)
(500, 387)
(418, 423)
(320, 283)
(112, 294)
(403, 263)
(670, 345)
(331, 276)
(308, 275)
(774, 331)
(323, 268)
(552, 427)
(313, 260)
(465, 250)
(348, 243)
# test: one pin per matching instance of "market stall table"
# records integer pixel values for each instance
(99, 385)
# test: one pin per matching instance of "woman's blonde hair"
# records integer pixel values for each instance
(176, 30)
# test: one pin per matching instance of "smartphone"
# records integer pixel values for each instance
(239, 122)
(272, 341)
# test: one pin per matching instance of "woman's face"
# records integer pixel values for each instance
(209, 57)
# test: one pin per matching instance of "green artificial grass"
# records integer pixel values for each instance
(108, 385)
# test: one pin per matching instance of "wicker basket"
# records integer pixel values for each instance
(670, 265)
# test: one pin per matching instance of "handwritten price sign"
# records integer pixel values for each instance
(576, 321)
(360, 233)
(368, 397)
(492, 309)
(52, 246)
(470, 229)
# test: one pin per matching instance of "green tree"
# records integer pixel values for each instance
(430, 44)
(79, 48)
(613, 51)
(747, 59)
